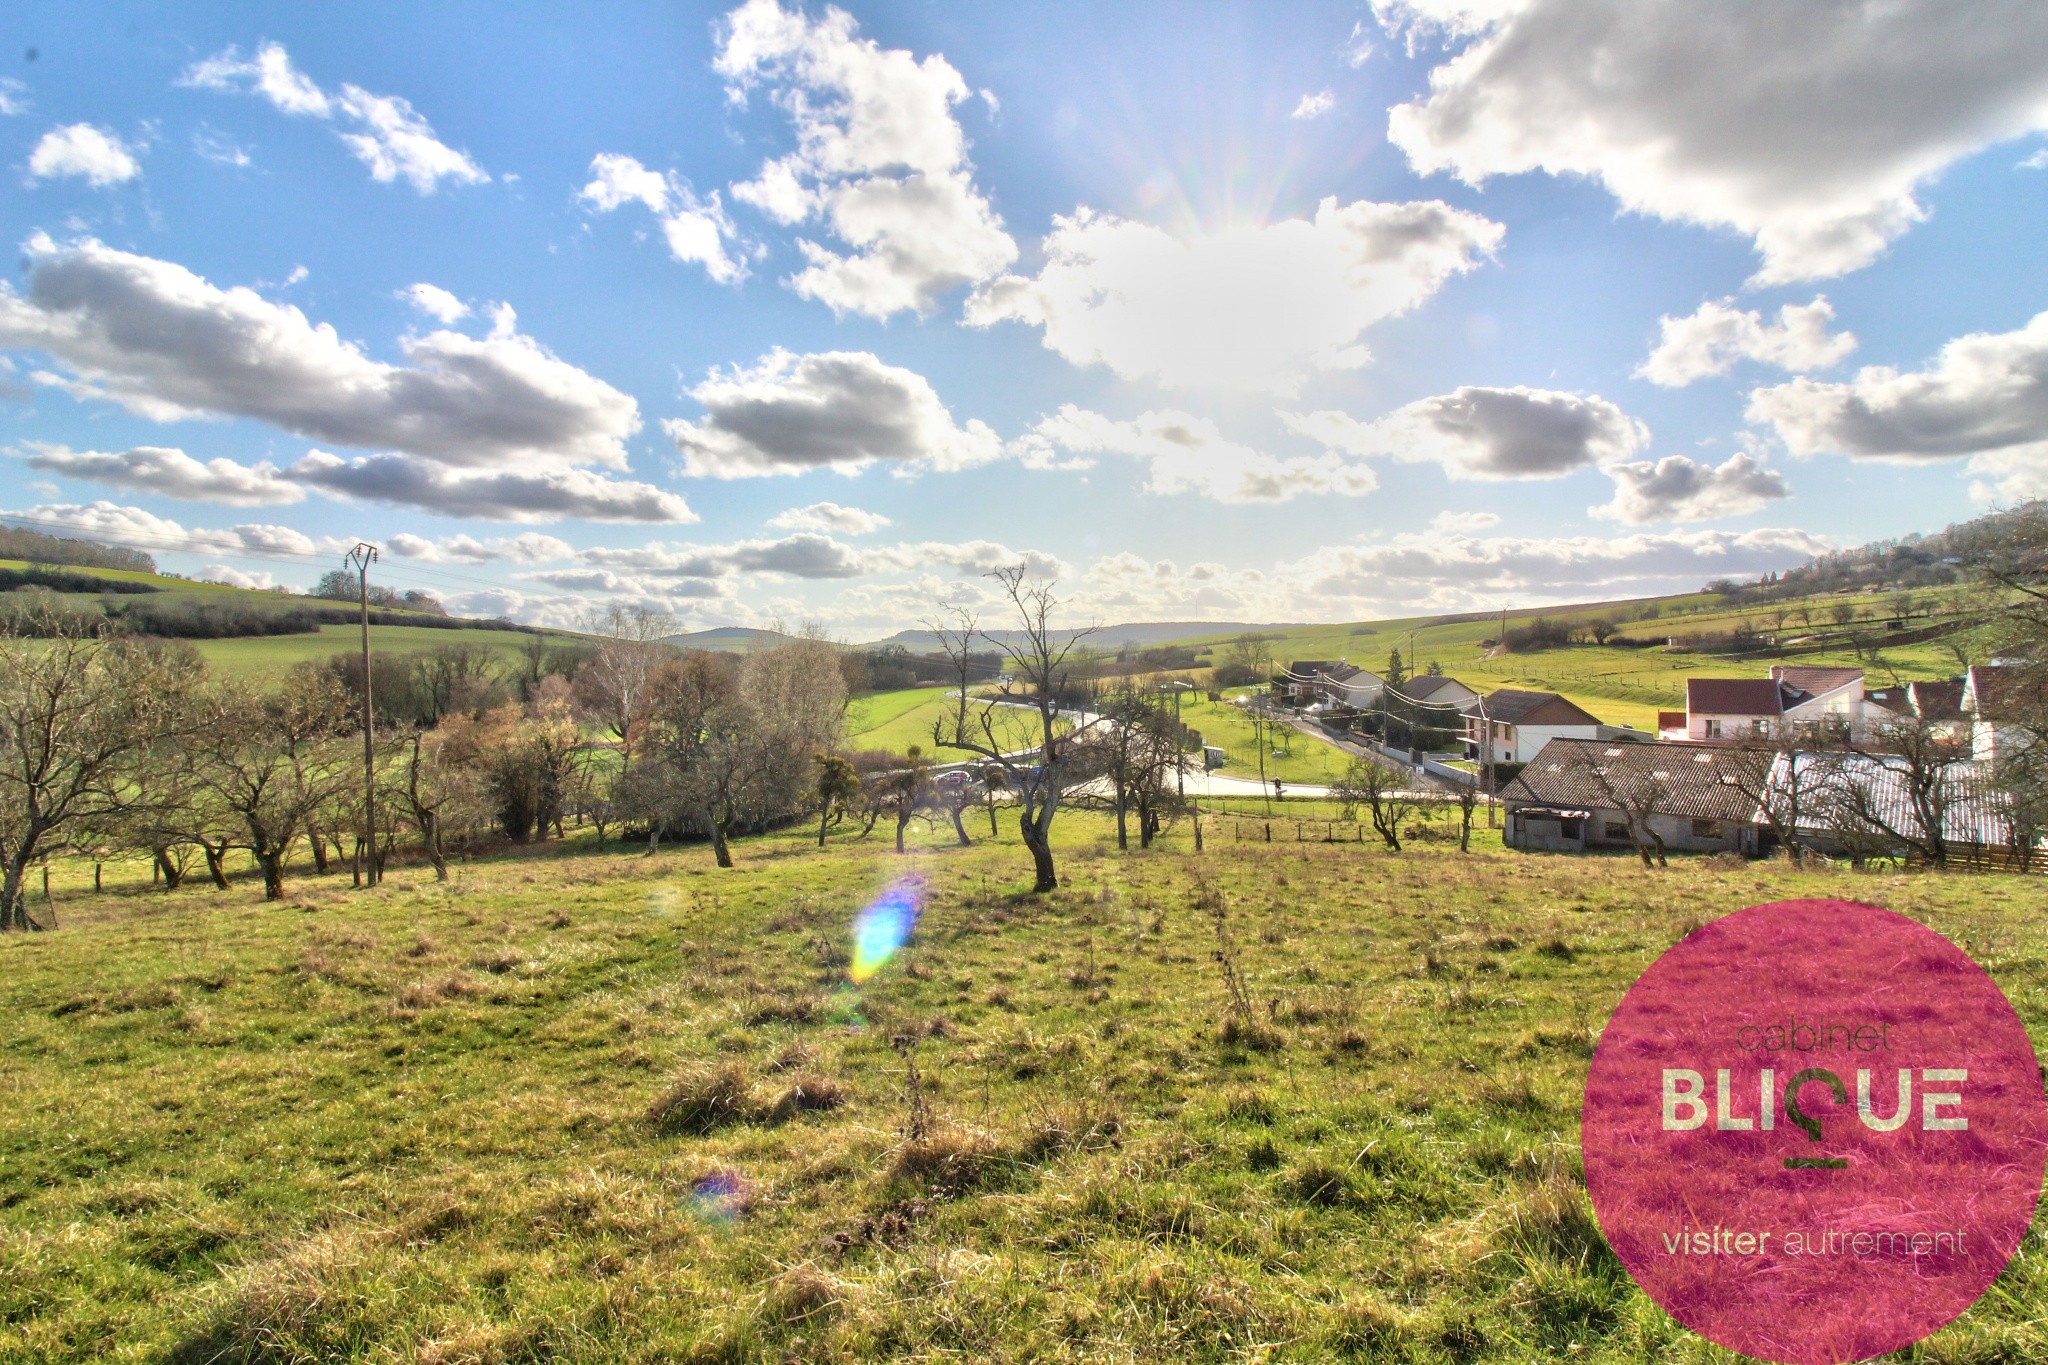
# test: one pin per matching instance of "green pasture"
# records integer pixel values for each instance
(585, 1107)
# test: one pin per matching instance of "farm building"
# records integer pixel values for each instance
(1578, 794)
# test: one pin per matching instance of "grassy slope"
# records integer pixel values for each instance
(264, 657)
(895, 720)
(414, 1124)
(1620, 686)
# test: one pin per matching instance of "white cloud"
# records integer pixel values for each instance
(1462, 523)
(1358, 46)
(2038, 161)
(435, 302)
(530, 548)
(166, 344)
(802, 556)
(110, 521)
(697, 231)
(1807, 127)
(169, 472)
(221, 149)
(838, 410)
(1187, 454)
(1314, 106)
(829, 516)
(1245, 308)
(1711, 340)
(1985, 396)
(1677, 488)
(538, 494)
(79, 149)
(13, 97)
(384, 131)
(1458, 571)
(879, 155)
(1485, 433)
(235, 578)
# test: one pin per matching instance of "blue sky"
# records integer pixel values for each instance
(804, 313)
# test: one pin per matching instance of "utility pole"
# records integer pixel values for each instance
(362, 557)
(1180, 768)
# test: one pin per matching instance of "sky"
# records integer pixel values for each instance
(794, 313)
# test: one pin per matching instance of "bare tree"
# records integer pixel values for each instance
(1034, 756)
(1906, 788)
(838, 790)
(435, 792)
(267, 762)
(83, 720)
(1378, 787)
(612, 687)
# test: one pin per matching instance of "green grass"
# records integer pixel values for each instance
(896, 720)
(262, 657)
(1303, 757)
(465, 1122)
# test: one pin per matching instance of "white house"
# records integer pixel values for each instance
(1339, 683)
(1521, 723)
(2004, 703)
(1822, 701)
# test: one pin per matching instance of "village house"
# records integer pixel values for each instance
(1998, 698)
(1577, 794)
(1510, 725)
(1335, 682)
(1433, 689)
(1868, 805)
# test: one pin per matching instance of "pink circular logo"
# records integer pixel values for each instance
(1814, 1131)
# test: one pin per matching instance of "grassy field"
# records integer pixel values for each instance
(264, 656)
(583, 1107)
(1301, 757)
(896, 720)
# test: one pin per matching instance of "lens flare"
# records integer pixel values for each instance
(885, 926)
(722, 1197)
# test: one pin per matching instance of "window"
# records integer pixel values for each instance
(1760, 726)
(1615, 829)
(1706, 829)
(1713, 729)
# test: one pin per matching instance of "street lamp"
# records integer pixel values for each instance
(1180, 767)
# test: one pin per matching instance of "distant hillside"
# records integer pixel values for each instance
(1142, 633)
(728, 639)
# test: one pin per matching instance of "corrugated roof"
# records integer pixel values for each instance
(1734, 697)
(1692, 781)
(1973, 810)
(1513, 706)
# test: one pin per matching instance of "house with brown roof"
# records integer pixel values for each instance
(1822, 702)
(1578, 794)
(1510, 725)
(1433, 689)
(1731, 710)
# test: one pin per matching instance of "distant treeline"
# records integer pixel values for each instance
(183, 619)
(37, 548)
(58, 580)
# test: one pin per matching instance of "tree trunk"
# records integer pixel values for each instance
(13, 899)
(437, 857)
(1041, 854)
(958, 828)
(720, 849)
(214, 858)
(319, 843)
(171, 875)
(272, 864)
(824, 818)
(992, 831)
(1123, 838)
(902, 820)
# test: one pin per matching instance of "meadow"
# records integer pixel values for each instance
(583, 1106)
